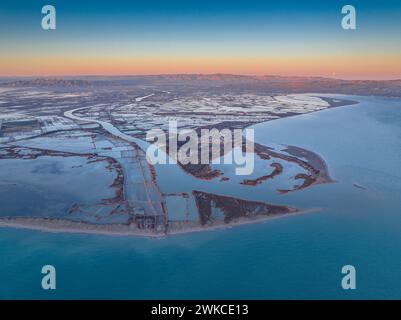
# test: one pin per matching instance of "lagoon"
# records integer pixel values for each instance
(295, 257)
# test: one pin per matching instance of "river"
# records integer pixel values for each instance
(298, 257)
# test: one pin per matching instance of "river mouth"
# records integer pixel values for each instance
(202, 196)
(146, 203)
(360, 145)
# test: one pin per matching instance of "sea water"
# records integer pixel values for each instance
(357, 222)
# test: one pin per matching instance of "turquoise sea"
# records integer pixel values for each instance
(297, 257)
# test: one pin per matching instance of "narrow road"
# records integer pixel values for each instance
(153, 198)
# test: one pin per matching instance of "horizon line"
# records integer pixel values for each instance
(194, 74)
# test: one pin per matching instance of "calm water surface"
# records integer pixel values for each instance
(292, 257)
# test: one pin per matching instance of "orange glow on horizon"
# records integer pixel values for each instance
(347, 66)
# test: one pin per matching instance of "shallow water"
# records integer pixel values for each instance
(293, 257)
(49, 185)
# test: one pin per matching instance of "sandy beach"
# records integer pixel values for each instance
(175, 228)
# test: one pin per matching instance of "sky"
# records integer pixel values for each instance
(117, 37)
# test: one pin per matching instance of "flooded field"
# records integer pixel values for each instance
(65, 187)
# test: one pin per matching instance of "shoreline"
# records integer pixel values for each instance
(205, 172)
(172, 228)
(119, 230)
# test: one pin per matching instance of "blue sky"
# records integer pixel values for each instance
(204, 29)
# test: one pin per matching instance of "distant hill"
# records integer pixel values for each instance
(269, 84)
(274, 84)
(47, 82)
